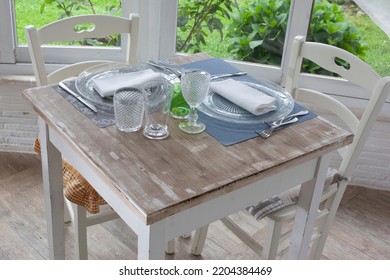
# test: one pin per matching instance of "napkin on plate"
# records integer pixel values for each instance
(106, 86)
(244, 96)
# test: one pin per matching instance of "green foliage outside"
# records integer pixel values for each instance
(219, 32)
(196, 17)
(257, 29)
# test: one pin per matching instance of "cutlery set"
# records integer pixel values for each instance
(275, 125)
(82, 100)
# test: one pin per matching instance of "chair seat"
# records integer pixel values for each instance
(287, 198)
(77, 188)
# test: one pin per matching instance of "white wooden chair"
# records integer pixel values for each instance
(356, 72)
(63, 31)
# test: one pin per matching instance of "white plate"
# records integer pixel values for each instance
(220, 108)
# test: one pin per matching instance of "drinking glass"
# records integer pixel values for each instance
(195, 85)
(129, 109)
(157, 95)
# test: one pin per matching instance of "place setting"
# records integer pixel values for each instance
(209, 95)
(95, 88)
(239, 108)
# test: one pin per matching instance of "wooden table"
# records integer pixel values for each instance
(166, 188)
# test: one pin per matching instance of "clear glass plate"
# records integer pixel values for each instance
(220, 108)
(84, 83)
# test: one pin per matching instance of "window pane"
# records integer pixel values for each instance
(377, 41)
(32, 12)
(244, 30)
(343, 24)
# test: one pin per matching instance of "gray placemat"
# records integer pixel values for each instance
(228, 133)
(232, 133)
(100, 119)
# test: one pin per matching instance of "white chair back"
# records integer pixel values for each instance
(356, 72)
(64, 30)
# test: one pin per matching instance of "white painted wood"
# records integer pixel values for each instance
(271, 244)
(151, 242)
(54, 199)
(248, 240)
(64, 54)
(103, 25)
(112, 196)
(170, 248)
(7, 40)
(306, 210)
(80, 229)
(298, 24)
(199, 240)
(157, 38)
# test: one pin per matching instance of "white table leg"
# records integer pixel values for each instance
(53, 193)
(307, 209)
(151, 242)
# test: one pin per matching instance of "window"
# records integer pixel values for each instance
(13, 49)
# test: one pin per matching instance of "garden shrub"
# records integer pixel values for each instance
(257, 28)
(197, 16)
(258, 31)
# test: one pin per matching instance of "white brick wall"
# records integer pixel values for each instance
(18, 122)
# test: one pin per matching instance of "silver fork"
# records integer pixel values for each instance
(280, 122)
(268, 132)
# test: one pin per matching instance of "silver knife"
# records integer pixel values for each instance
(214, 77)
(85, 102)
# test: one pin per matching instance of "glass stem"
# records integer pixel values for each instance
(193, 116)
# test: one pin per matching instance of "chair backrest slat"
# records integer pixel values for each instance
(65, 30)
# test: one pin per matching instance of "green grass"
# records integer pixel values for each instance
(378, 53)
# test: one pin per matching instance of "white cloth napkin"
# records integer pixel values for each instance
(244, 96)
(106, 86)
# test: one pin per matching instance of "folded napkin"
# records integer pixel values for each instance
(244, 96)
(108, 85)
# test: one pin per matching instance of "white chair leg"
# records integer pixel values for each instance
(199, 240)
(271, 244)
(67, 212)
(170, 247)
(80, 228)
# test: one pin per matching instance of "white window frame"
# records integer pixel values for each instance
(7, 46)
(15, 59)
